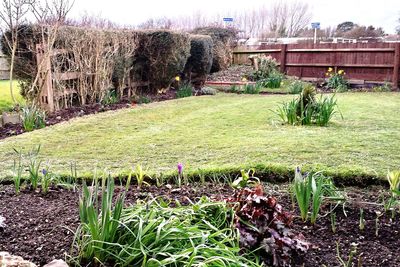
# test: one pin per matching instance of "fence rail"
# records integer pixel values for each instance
(363, 63)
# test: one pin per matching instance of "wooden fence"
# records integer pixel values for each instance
(363, 63)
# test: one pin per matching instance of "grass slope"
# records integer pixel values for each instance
(5, 95)
(223, 131)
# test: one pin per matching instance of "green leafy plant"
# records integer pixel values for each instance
(151, 233)
(159, 179)
(234, 89)
(34, 167)
(17, 171)
(287, 112)
(99, 222)
(296, 86)
(46, 181)
(306, 109)
(247, 179)
(252, 89)
(33, 118)
(302, 191)
(325, 108)
(310, 191)
(393, 178)
(185, 90)
(273, 80)
(386, 87)
(110, 97)
(140, 175)
(337, 80)
(142, 99)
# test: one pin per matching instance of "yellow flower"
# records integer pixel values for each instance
(327, 74)
(330, 70)
(177, 78)
(244, 79)
(340, 72)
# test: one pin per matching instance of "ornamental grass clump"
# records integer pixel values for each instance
(306, 109)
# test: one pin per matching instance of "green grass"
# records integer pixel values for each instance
(5, 95)
(226, 131)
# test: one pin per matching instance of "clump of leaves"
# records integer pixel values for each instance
(246, 179)
(185, 90)
(110, 98)
(274, 80)
(252, 89)
(306, 109)
(337, 80)
(266, 66)
(33, 118)
(265, 227)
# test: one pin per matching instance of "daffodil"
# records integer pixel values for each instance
(244, 79)
(330, 70)
(340, 72)
(327, 74)
(177, 78)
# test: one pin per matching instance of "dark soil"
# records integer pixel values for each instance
(73, 112)
(37, 226)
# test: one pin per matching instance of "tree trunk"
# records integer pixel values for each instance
(13, 51)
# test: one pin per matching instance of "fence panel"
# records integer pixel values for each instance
(362, 62)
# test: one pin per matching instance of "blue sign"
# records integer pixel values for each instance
(316, 25)
(228, 19)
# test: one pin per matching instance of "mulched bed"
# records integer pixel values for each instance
(234, 73)
(73, 112)
(40, 228)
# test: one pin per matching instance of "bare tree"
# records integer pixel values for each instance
(49, 17)
(289, 19)
(12, 16)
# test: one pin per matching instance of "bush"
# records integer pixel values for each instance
(224, 41)
(267, 65)
(185, 90)
(160, 57)
(201, 57)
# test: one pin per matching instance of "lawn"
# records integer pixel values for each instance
(222, 131)
(5, 96)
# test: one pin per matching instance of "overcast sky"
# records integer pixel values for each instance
(383, 13)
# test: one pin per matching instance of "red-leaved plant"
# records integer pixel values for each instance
(265, 228)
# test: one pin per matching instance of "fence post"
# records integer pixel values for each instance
(396, 67)
(283, 58)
